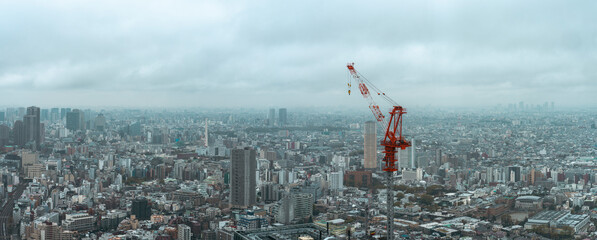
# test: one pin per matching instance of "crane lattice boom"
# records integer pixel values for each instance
(393, 138)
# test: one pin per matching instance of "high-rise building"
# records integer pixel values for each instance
(283, 211)
(303, 205)
(271, 118)
(370, 151)
(21, 112)
(4, 135)
(45, 115)
(54, 114)
(141, 209)
(134, 129)
(32, 125)
(243, 180)
(406, 157)
(10, 115)
(18, 130)
(271, 192)
(184, 232)
(282, 117)
(73, 120)
(100, 122)
(1, 116)
(63, 113)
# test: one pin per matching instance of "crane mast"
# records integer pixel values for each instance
(393, 139)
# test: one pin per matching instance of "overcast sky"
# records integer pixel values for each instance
(294, 53)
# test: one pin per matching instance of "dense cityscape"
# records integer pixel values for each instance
(517, 171)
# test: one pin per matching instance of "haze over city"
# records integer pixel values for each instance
(266, 53)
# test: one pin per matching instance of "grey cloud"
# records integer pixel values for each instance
(280, 52)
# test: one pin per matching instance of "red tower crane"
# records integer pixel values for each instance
(393, 139)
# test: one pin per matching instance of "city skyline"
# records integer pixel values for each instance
(214, 54)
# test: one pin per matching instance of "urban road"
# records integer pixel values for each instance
(6, 214)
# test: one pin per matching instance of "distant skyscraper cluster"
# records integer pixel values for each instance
(25, 127)
(28, 131)
(282, 119)
(524, 107)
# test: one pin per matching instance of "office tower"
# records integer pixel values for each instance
(4, 135)
(135, 129)
(10, 115)
(521, 106)
(21, 112)
(406, 158)
(32, 125)
(54, 114)
(63, 113)
(82, 124)
(45, 115)
(271, 192)
(282, 117)
(74, 120)
(271, 118)
(184, 232)
(303, 205)
(206, 134)
(141, 208)
(1, 116)
(283, 210)
(242, 178)
(18, 130)
(100, 122)
(370, 151)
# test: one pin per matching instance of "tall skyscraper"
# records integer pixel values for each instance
(54, 114)
(21, 112)
(100, 122)
(206, 134)
(18, 130)
(63, 113)
(1, 116)
(271, 118)
(406, 157)
(45, 115)
(75, 120)
(243, 180)
(370, 151)
(282, 117)
(32, 125)
(4, 135)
